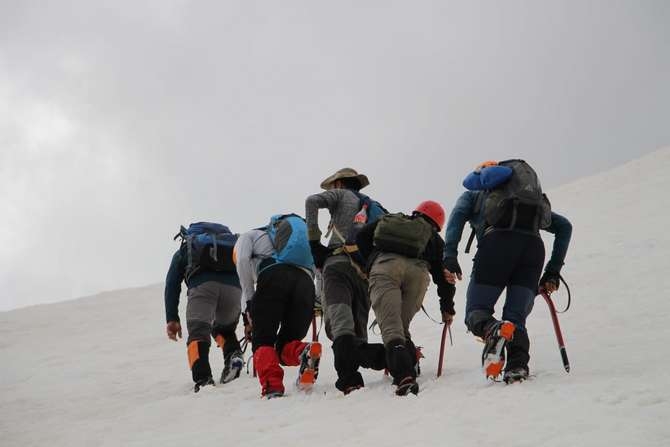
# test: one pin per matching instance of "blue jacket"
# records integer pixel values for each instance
(465, 210)
(177, 273)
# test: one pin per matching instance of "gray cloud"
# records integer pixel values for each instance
(120, 121)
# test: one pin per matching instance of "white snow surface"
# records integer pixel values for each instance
(99, 371)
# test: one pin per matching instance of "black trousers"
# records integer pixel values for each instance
(505, 260)
(282, 307)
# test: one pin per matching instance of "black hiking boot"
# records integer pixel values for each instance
(203, 382)
(406, 386)
(517, 374)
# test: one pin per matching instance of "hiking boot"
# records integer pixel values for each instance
(232, 366)
(204, 382)
(352, 388)
(518, 374)
(493, 355)
(272, 394)
(406, 386)
(309, 365)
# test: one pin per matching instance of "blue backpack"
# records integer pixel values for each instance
(209, 246)
(288, 233)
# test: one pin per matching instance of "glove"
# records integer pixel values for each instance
(319, 253)
(173, 330)
(550, 281)
(454, 269)
(246, 313)
(246, 319)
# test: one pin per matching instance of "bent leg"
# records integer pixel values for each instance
(228, 311)
(479, 307)
(339, 325)
(297, 318)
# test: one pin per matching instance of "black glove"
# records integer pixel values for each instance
(319, 253)
(446, 294)
(451, 263)
(245, 314)
(552, 278)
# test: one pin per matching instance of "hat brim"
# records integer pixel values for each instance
(362, 179)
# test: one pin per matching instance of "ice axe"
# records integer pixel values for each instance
(557, 329)
(445, 328)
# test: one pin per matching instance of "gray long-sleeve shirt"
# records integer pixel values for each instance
(342, 204)
(250, 250)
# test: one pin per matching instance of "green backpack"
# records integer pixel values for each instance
(401, 234)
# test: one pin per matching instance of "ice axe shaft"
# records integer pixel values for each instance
(557, 329)
(445, 328)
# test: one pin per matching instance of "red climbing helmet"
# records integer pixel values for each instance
(433, 211)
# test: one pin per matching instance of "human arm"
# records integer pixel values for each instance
(244, 252)
(315, 202)
(445, 290)
(173, 281)
(561, 228)
(461, 213)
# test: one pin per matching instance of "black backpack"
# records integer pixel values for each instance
(519, 203)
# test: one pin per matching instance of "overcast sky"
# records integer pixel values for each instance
(119, 121)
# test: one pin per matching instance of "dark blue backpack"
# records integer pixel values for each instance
(288, 233)
(209, 246)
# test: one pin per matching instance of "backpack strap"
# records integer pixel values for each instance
(190, 271)
(470, 239)
(515, 205)
(475, 211)
(213, 251)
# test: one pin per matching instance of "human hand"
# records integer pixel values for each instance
(447, 318)
(173, 330)
(452, 270)
(550, 282)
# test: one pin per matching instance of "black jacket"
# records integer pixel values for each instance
(433, 254)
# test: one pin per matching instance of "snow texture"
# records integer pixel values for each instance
(99, 371)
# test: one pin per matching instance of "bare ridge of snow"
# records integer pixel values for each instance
(100, 371)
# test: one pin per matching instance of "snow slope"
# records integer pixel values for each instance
(100, 371)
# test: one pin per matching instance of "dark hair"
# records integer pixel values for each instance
(351, 183)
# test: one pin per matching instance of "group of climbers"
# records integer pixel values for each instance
(371, 259)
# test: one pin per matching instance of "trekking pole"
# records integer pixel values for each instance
(445, 328)
(315, 336)
(557, 329)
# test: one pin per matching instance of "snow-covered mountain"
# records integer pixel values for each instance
(100, 371)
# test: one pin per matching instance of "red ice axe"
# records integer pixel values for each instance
(446, 328)
(557, 329)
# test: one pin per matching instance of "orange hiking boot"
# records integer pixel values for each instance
(493, 355)
(309, 365)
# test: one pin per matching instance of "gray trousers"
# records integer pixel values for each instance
(345, 301)
(397, 287)
(212, 309)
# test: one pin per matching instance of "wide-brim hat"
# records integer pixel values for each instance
(345, 173)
